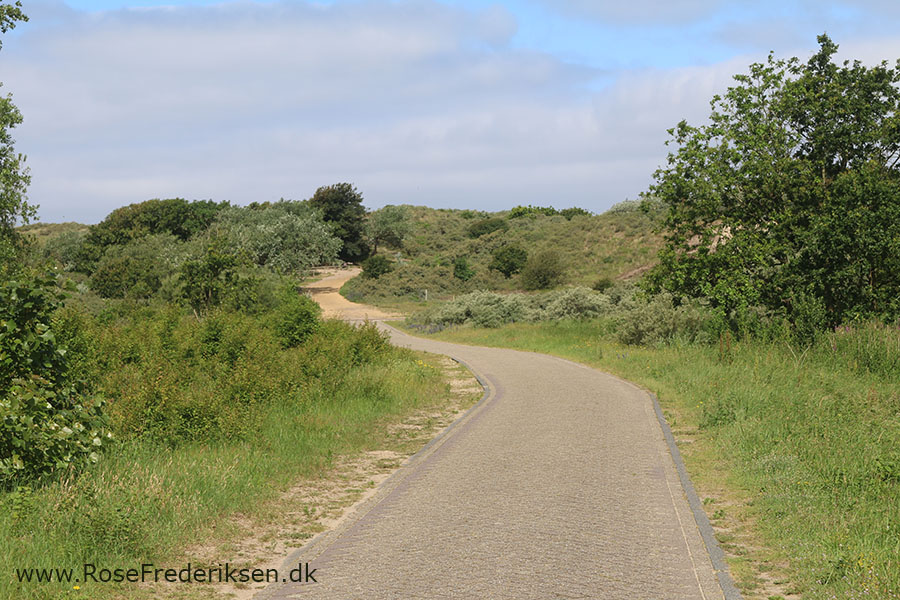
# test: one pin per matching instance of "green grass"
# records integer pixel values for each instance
(144, 502)
(212, 417)
(809, 440)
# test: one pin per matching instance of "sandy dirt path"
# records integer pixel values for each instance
(334, 306)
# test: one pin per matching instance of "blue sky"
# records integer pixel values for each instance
(464, 104)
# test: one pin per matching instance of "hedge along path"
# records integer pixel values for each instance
(559, 484)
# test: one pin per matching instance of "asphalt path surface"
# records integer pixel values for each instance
(558, 484)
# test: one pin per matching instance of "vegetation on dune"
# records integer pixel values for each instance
(612, 245)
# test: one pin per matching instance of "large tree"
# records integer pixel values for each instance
(14, 178)
(341, 205)
(388, 225)
(790, 197)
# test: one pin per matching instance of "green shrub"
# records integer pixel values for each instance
(376, 266)
(570, 213)
(576, 303)
(485, 309)
(175, 216)
(297, 318)
(508, 260)
(531, 211)
(206, 280)
(543, 270)
(462, 270)
(121, 276)
(659, 320)
(486, 226)
(65, 248)
(47, 419)
(287, 237)
(602, 284)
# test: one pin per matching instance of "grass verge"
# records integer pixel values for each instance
(795, 454)
(146, 502)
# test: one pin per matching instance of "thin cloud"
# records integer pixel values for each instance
(414, 102)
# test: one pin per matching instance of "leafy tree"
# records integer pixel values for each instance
(14, 177)
(486, 226)
(135, 270)
(175, 216)
(509, 260)
(388, 225)
(376, 266)
(462, 270)
(543, 271)
(341, 205)
(791, 195)
(206, 280)
(287, 237)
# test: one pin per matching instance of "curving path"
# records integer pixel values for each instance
(559, 484)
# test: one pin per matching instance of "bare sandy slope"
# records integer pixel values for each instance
(335, 306)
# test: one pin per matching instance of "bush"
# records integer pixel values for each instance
(531, 211)
(47, 420)
(176, 217)
(65, 248)
(287, 237)
(297, 318)
(462, 270)
(576, 303)
(659, 320)
(486, 226)
(509, 260)
(206, 280)
(569, 213)
(376, 266)
(543, 271)
(602, 284)
(485, 309)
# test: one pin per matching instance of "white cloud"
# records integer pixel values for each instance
(414, 102)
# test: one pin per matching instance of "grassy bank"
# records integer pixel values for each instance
(805, 441)
(213, 417)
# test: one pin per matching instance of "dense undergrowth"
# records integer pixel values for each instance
(153, 385)
(208, 417)
(811, 433)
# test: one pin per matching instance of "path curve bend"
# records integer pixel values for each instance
(559, 484)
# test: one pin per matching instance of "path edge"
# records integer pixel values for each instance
(716, 554)
(325, 538)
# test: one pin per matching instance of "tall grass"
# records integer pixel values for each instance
(213, 417)
(813, 434)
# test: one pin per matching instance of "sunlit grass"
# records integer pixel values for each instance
(812, 436)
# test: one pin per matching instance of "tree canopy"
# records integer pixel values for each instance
(388, 225)
(790, 197)
(341, 205)
(14, 177)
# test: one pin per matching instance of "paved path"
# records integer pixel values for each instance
(559, 484)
